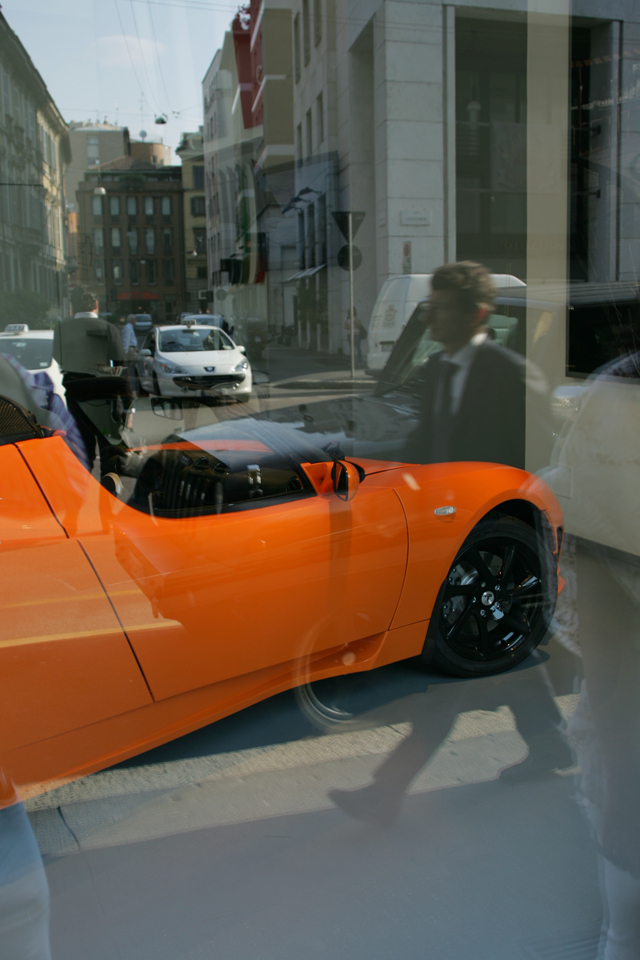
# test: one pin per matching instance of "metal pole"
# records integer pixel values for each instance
(352, 326)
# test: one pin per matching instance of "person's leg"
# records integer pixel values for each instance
(24, 893)
(621, 893)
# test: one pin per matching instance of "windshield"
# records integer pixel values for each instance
(193, 339)
(33, 353)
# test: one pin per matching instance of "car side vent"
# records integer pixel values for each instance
(16, 422)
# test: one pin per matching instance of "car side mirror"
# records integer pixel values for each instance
(241, 348)
(145, 352)
(346, 479)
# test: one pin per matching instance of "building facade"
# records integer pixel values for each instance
(131, 238)
(191, 153)
(249, 167)
(92, 144)
(34, 150)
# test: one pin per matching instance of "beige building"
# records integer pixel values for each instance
(92, 144)
(151, 151)
(191, 153)
(34, 150)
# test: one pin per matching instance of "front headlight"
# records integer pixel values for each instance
(243, 365)
(170, 368)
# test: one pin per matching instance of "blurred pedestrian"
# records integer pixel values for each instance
(477, 396)
(88, 348)
(359, 334)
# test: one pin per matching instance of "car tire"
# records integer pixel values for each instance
(496, 603)
(156, 386)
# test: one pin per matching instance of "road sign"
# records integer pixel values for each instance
(341, 217)
(343, 257)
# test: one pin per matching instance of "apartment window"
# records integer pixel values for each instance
(198, 207)
(306, 34)
(96, 207)
(166, 206)
(320, 115)
(116, 266)
(200, 239)
(309, 133)
(201, 273)
(167, 239)
(198, 178)
(114, 206)
(134, 272)
(132, 239)
(93, 150)
(98, 270)
(98, 240)
(317, 21)
(152, 271)
(148, 206)
(296, 46)
(168, 271)
(132, 206)
(116, 238)
(150, 240)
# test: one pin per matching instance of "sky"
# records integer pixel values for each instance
(128, 61)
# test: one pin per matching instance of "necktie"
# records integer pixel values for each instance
(443, 416)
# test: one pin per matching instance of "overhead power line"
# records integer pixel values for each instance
(144, 62)
(153, 31)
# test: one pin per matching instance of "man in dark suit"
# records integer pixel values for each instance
(476, 396)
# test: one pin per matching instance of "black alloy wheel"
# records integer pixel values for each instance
(496, 603)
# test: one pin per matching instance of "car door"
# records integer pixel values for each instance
(280, 573)
(64, 660)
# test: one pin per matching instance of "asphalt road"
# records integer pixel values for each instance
(227, 844)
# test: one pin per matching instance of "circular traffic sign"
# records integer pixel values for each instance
(343, 257)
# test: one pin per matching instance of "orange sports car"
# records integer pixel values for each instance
(221, 561)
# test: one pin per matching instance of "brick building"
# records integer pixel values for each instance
(131, 238)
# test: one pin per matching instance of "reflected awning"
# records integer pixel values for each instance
(305, 274)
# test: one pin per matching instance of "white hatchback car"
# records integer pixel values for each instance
(34, 350)
(199, 361)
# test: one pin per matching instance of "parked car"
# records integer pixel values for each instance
(34, 350)
(218, 563)
(193, 359)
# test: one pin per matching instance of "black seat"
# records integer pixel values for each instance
(16, 422)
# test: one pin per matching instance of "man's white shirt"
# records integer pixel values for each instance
(462, 360)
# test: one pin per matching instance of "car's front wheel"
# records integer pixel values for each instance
(496, 603)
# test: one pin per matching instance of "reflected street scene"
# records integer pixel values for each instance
(319, 531)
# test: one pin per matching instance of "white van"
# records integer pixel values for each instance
(396, 302)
